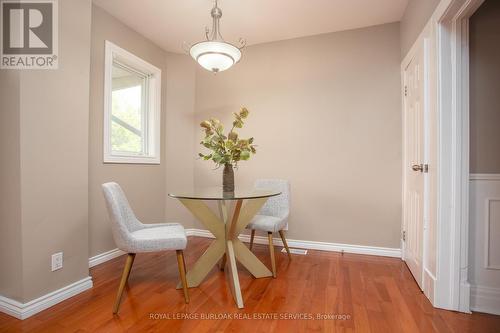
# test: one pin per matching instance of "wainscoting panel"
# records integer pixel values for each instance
(492, 233)
(484, 243)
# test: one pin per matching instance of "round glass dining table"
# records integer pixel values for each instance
(225, 227)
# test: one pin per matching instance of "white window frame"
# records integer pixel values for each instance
(153, 102)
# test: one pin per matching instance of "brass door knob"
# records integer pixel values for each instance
(417, 167)
(420, 167)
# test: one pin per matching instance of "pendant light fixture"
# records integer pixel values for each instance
(214, 54)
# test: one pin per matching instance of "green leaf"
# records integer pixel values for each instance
(205, 124)
(233, 136)
(245, 155)
(217, 158)
(226, 149)
(244, 112)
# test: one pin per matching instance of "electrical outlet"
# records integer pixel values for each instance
(57, 261)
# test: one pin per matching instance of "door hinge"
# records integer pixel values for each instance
(406, 91)
(404, 236)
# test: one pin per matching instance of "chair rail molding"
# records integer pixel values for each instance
(25, 310)
(485, 176)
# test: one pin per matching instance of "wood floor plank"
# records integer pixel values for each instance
(377, 294)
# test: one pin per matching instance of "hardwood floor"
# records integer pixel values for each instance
(370, 294)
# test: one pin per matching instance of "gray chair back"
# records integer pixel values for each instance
(123, 220)
(278, 206)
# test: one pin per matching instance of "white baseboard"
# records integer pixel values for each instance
(465, 297)
(485, 299)
(301, 244)
(105, 256)
(312, 245)
(428, 285)
(25, 310)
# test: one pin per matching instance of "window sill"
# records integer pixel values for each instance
(131, 160)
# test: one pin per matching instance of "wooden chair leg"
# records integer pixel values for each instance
(126, 273)
(271, 252)
(182, 273)
(283, 239)
(251, 238)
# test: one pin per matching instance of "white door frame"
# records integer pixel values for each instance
(447, 31)
(452, 21)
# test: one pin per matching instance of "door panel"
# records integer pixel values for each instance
(414, 166)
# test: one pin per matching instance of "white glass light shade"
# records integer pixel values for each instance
(215, 56)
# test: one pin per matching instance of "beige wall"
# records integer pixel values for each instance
(416, 15)
(180, 134)
(47, 167)
(140, 181)
(484, 29)
(325, 112)
(10, 186)
(328, 105)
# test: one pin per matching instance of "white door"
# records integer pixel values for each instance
(414, 167)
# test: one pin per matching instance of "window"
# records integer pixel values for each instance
(132, 97)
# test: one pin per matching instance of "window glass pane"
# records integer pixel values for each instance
(128, 122)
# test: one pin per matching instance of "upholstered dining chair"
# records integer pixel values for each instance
(132, 237)
(273, 216)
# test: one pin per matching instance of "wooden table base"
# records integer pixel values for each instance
(226, 242)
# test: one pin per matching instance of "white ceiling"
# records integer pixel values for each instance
(169, 23)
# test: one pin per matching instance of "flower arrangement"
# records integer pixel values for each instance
(227, 150)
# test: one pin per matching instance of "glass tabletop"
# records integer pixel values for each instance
(216, 193)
